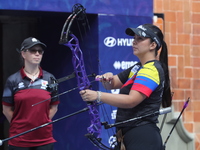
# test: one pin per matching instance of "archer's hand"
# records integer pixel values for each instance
(107, 77)
(88, 95)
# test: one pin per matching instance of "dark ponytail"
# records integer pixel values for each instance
(163, 58)
(167, 95)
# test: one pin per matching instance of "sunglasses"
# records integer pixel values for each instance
(34, 51)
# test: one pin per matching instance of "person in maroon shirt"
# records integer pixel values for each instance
(23, 89)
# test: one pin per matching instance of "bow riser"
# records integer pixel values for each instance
(78, 64)
(84, 83)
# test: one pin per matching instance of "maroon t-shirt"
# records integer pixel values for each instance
(22, 93)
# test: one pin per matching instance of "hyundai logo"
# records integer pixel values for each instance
(110, 41)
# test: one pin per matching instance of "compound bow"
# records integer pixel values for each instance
(70, 40)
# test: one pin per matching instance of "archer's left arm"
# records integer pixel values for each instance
(52, 111)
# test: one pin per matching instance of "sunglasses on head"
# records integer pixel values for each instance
(34, 51)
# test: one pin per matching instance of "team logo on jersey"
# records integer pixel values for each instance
(21, 85)
(44, 84)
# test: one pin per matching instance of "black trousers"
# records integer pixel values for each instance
(43, 147)
(146, 137)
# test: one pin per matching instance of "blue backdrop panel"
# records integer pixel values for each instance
(115, 55)
(125, 7)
